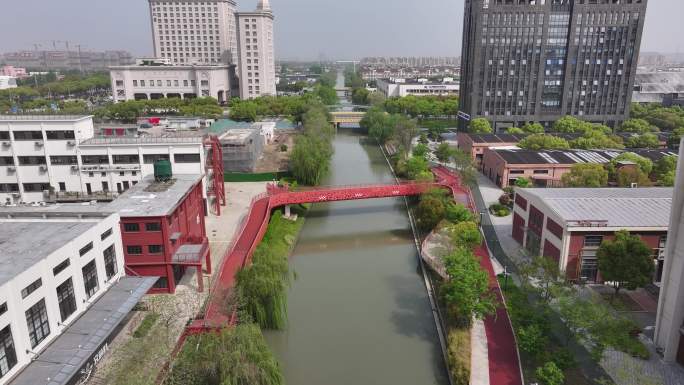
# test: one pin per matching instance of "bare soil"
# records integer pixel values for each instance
(273, 159)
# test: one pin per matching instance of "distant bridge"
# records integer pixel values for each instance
(346, 117)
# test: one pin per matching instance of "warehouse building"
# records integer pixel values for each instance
(569, 225)
(62, 291)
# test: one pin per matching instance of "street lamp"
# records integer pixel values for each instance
(506, 274)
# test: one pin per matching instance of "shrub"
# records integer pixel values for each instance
(564, 359)
(456, 213)
(146, 324)
(499, 210)
(458, 345)
(506, 200)
(550, 374)
(283, 148)
(531, 339)
(466, 235)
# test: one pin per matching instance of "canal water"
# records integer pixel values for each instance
(359, 313)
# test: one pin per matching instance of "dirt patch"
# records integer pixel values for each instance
(274, 158)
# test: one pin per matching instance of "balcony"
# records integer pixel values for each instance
(191, 253)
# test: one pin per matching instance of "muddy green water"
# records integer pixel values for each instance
(358, 311)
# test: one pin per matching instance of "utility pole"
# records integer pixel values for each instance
(80, 66)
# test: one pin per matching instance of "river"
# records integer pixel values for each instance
(358, 309)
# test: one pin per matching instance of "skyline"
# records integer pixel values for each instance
(305, 29)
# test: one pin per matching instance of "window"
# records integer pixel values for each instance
(110, 262)
(6, 161)
(60, 268)
(134, 250)
(3, 308)
(541, 171)
(63, 160)
(153, 226)
(152, 158)
(37, 322)
(126, 159)
(131, 227)
(4, 135)
(8, 356)
(60, 135)
(28, 135)
(186, 158)
(593, 240)
(85, 249)
(106, 234)
(66, 299)
(31, 288)
(155, 249)
(94, 159)
(32, 160)
(90, 278)
(9, 187)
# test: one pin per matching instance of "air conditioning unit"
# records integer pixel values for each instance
(71, 143)
(43, 168)
(16, 195)
(11, 169)
(6, 144)
(39, 143)
(634, 185)
(74, 168)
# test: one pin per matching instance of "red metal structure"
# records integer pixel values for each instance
(214, 167)
(504, 361)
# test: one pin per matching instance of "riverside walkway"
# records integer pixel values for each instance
(504, 363)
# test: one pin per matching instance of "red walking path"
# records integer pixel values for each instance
(504, 363)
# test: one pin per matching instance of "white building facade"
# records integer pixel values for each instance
(56, 158)
(54, 268)
(152, 79)
(194, 31)
(402, 87)
(257, 57)
(7, 82)
(669, 331)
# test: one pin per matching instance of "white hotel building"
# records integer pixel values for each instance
(203, 48)
(62, 291)
(56, 158)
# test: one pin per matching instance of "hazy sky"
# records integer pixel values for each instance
(305, 29)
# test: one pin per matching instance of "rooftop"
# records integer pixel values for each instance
(64, 359)
(522, 156)
(615, 207)
(34, 118)
(21, 248)
(660, 82)
(191, 137)
(146, 199)
(239, 135)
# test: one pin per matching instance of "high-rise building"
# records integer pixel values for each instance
(194, 31)
(538, 60)
(257, 60)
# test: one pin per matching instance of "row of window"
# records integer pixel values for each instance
(38, 135)
(138, 250)
(37, 319)
(135, 227)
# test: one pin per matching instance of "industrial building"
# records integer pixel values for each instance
(63, 293)
(536, 61)
(669, 329)
(569, 225)
(162, 227)
(66, 60)
(57, 159)
(665, 88)
(242, 148)
(545, 168)
(396, 87)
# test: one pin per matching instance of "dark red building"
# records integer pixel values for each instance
(163, 230)
(569, 224)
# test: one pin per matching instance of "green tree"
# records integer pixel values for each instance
(236, 355)
(360, 96)
(244, 111)
(421, 150)
(465, 234)
(597, 139)
(415, 166)
(466, 291)
(638, 126)
(405, 130)
(667, 179)
(376, 99)
(457, 213)
(645, 164)
(665, 165)
(531, 339)
(532, 128)
(515, 131)
(627, 176)
(544, 142)
(327, 94)
(625, 262)
(586, 175)
(430, 212)
(646, 140)
(568, 124)
(546, 274)
(378, 124)
(443, 152)
(480, 126)
(522, 182)
(550, 374)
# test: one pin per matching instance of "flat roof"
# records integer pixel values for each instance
(239, 135)
(191, 137)
(618, 207)
(33, 118)
(87, 337)
(24, 244)
(152, 199)
(523, 156)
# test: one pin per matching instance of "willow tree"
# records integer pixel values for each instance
(235, 356)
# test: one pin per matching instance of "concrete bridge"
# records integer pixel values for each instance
(346, 117)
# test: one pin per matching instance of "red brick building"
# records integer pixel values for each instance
(569, 225)
(476, 144)
(163, 230)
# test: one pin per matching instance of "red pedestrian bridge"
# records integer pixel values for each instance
(504, 366)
